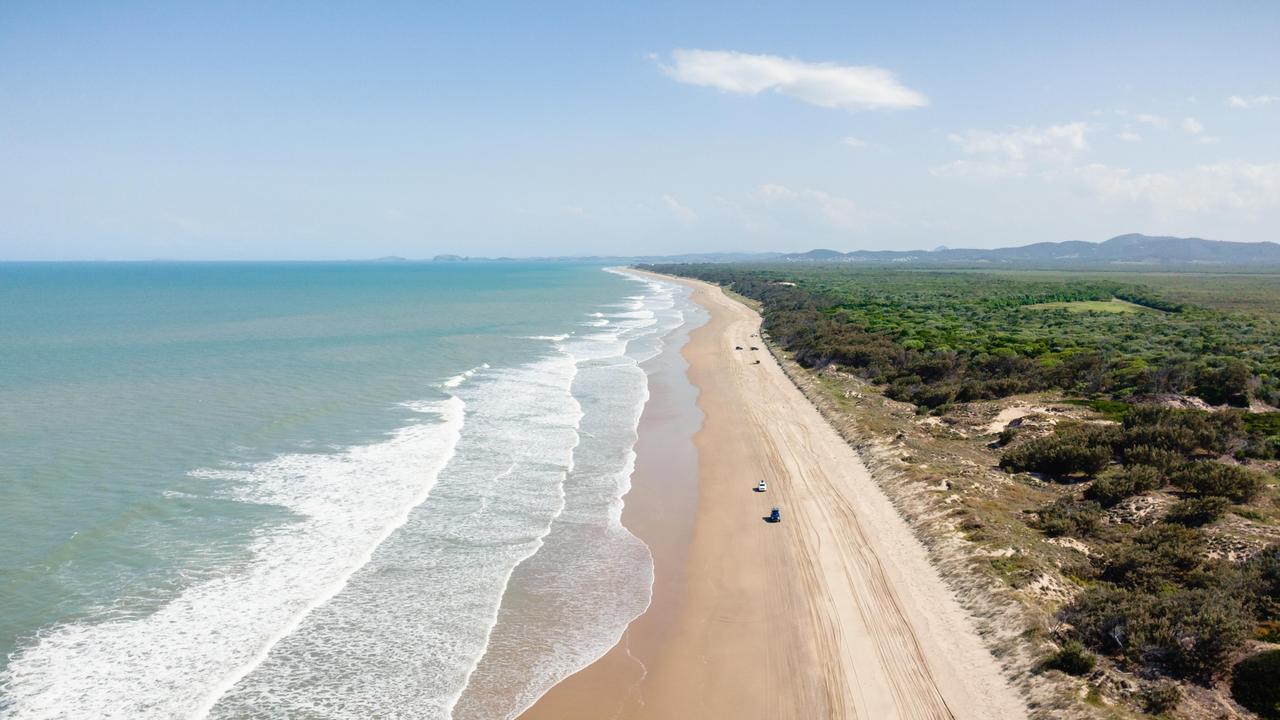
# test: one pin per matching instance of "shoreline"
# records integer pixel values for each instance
(660, 510)
(835, 612)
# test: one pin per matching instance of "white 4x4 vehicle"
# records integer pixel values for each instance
(762, 487)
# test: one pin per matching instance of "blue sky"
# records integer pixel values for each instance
(327, 130)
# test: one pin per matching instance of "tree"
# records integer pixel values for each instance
(1225, 381)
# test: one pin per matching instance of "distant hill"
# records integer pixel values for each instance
(1132, 249)
(1121, 251)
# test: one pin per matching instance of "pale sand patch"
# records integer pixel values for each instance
(1048, 415)
(833, 613)
(1008, 415)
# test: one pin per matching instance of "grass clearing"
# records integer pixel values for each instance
(1114, 305)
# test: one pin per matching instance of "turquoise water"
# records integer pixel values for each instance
(242, 490)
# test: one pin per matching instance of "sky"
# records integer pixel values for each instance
(319, 130)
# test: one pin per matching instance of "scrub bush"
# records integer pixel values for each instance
(1255, 684)
(1072, 659)
(1132, 480)
(1237, 484)
(1194, 512)
(1069, 517)
(1069, 451)
(1161, 697)
(1155, 557)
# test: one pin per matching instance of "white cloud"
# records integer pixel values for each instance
(823, 84)
(1227, 186)
(853, 142)
(771, 192)
(1129, 136)
(1053, 154)
(681, 212)
(1253, 101)
(1015, 151)
(1152, 120)
(572, 210)
(834, 210)
(1156, 121)
(841, 212)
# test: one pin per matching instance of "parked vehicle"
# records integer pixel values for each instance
(761, 487)
(775, 515)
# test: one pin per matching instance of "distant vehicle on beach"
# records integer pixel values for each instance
(775, 515)
(761, 487)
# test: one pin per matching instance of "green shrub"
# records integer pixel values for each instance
(1237, 484)
(1132, 480)
(1165, 461)
(933, 396)
(1209, 627)
(1071, 517)
(1187, 632)
(1264, 435)
(1079, 450)
(1156, 556)
(1255, 684)
(1159, 698)
(1263, 448)
(1105, 617)
(1185, 432)
(1110, 409)
(1263, 573)
(1072, 659)
(1194, 512)
(1173, 438)
(1224, 381)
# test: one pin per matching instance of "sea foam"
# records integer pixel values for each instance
(571, 601)
(459, 568)
(402, 637)
(177, 661)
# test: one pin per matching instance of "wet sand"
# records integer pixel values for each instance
(835, 612)
(661, 511)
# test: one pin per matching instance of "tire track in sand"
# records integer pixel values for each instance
(872, 661)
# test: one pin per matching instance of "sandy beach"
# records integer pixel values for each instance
(834, 612)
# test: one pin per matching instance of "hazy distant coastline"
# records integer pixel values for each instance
(1123, 251)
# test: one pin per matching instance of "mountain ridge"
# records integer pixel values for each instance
(1132, 249)
(1128, 249)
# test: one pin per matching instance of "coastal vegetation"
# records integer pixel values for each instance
(941, 337)
(1162, 477)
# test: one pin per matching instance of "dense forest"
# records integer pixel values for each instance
(940, 337)
(1153, 598)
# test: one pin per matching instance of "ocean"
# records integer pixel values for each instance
(338, 490)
